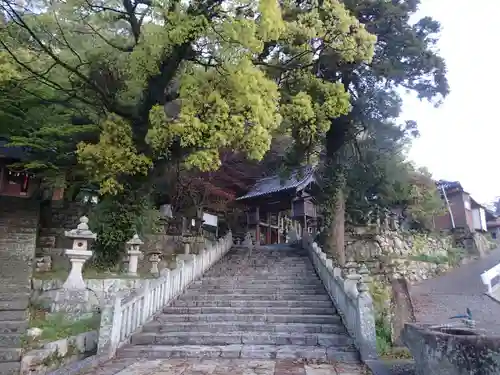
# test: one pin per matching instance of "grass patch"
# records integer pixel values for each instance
(384, 343)
(430, 258)
(456, 255)
(56, 327)
(453, 257)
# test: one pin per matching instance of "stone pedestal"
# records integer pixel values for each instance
(133, 262)
(75, 277)
(73, 304)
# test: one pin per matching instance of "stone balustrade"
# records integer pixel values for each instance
(350, 296)
(127, 312)
(490, 281)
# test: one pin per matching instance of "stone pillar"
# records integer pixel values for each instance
(134, 252)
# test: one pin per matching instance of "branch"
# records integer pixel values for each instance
(112, 106)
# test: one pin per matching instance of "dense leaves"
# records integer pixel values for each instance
(152, 84)
(186, 79)
(405, 57)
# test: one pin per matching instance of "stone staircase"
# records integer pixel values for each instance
(267, 303)
(18, 230)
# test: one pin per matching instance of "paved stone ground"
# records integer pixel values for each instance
(224, 367)
(438, 299)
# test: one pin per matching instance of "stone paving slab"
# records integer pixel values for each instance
(226, 367)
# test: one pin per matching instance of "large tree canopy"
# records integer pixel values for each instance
(185, 80)
(405, 57)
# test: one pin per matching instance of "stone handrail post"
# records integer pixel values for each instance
(349, 292)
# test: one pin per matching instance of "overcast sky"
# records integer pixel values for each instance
(459, 140)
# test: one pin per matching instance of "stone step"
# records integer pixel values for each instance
(251, 285)
(239, 351)
(10, 340)
(262, 279)
(275, 318)
(230, 326)
(246, 338)
(10, 368)
(253, 304)
(242, 263)
(14, 291)
(258, 283)
(273, 291)
(251, 310)
(13, 315)
(17, 326)
(258, 275)
(14, 304)
(278, 297)
(9, 355)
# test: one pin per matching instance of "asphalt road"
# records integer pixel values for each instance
(438, 299)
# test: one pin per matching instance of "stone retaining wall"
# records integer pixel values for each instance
(415, 256)
(103, 289)
(58, 353)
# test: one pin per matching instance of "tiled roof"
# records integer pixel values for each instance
(14, 152)
(449, 185)
(274, 184)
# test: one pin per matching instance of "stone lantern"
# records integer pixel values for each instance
(79, 253)
(74, 300)
(134, 252)
(187, 241)
(154, 258)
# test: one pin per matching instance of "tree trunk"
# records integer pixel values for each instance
(336, 230)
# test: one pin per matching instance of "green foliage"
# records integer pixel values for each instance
(225, 68)
(456, 255)
(376, 176)
(383, 338)
(176, 82)
(115, 219)
(58, 327)
(430, 258)
(381, 302)
(114, 156)
(453, 257)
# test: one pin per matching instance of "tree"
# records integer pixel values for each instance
(33, 116)
(169, 80)
(380, 179)
(405, 56)
(495, 206)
